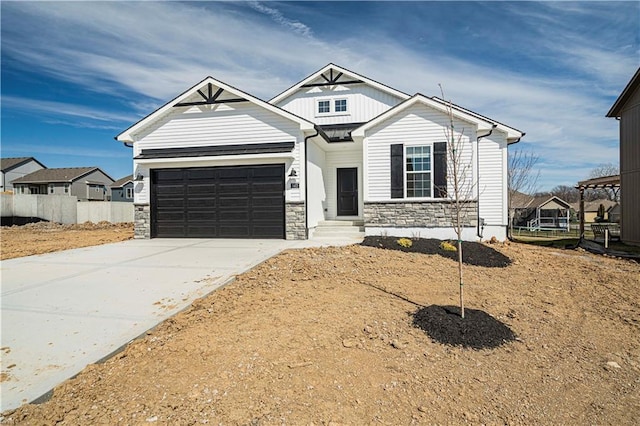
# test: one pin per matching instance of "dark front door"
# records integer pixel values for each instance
(218, 202)
(348, 192)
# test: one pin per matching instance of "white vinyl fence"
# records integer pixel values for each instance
(65, 209)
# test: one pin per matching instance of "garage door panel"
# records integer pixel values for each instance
(171, 203)
(259, 202)
(201, 174)
(233, 172)
(240, 188)
(201, 190)
(227, 202)
(237, 231)
(163, 176)
(207, 203)
(202, 217)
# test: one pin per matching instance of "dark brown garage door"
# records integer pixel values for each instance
(218, 202)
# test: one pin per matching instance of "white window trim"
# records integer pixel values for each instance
(128, 193)
(50, 188)
(332, 106)
(404, 167)
(67, 188)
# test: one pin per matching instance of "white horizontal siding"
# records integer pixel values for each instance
(363, 102)
(418, 125)
(334, 161)
(224, 124)
(492, 179)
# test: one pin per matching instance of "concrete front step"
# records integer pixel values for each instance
(335, 228)
(340, 223)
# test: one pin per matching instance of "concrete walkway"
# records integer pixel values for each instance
(62, 311)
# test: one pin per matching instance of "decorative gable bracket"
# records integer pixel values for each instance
(332, 80)
(211, 98)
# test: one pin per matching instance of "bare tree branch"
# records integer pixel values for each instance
(459, 173)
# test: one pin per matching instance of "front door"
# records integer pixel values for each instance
(348, 191)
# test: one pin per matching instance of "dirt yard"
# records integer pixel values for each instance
(334, 336)
(45, 237)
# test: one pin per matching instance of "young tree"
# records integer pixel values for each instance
(458, 177)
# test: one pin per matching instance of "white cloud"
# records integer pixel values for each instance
(147, 53)
(63, 109)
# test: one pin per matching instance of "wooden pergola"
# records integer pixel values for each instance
(610, 182)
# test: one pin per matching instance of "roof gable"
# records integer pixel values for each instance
(68, 174)
(208, 92)
(481, 123)
(334, 75)
(122, 181)
(7, 164)
(629, 90)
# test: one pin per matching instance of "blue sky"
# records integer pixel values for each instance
(75, 74)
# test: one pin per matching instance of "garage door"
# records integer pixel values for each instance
(218, 202)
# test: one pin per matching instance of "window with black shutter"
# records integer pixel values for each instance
(397, 171)
(440, 169)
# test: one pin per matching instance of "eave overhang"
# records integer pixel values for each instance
(331, 75)
(483, 124)
(631, 87)
(209, 98)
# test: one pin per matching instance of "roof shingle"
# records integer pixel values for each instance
(68, 174)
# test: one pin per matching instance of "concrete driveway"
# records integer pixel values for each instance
(65, 310)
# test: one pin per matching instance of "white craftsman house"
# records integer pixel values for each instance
(337, 146)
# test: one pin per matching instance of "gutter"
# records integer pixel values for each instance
(480, 222)
(306, 181)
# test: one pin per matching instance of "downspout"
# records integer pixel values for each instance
(480, 222)
(306, 183)
(509, 227)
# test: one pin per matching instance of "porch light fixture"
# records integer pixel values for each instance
(139, 177)
(293, 179)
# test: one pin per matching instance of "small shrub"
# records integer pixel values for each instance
(447, 246)
(405, 242)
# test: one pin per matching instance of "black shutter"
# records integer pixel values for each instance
(440, 169)
(397, 171)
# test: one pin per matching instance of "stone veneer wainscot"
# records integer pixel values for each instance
(295, 221)
(141, 221)
(417, 214)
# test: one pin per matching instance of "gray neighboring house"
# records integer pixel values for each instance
(122, 189)
(16, 167)
(627, 110)
(86, 183)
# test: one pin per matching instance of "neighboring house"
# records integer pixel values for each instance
(219, 162)
(543, 212)
(627, 110)
(86, 183)
(122, 189)
(592, 211)
(14, 168)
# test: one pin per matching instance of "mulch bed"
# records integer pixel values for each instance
(473, 253)
(477, 330)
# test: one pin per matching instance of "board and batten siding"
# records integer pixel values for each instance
(492, 179)
(336, 160)
(363, 103)
(226, 124)
(630, 169)
(418, 125)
